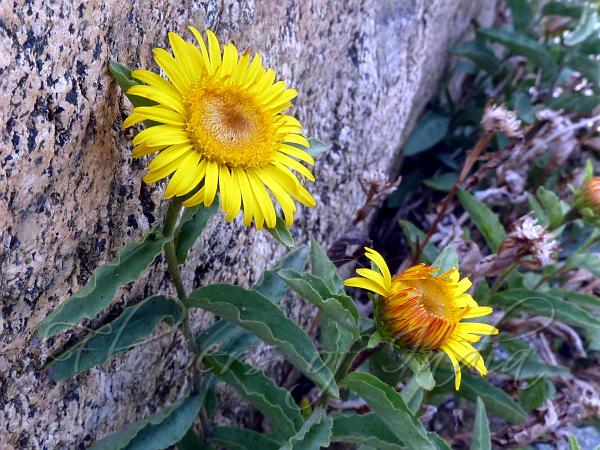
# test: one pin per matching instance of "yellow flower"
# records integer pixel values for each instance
(425, 311)
(220, 127)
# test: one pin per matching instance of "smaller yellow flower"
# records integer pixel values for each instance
(425, 311)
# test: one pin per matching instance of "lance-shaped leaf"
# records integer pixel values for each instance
(122, 75)
(341, 308)
(257, 314)
(322, 267)
(546, 305)
(586, 301)
(275, 403)
(314, 434)
(193, 225)
(99, 291)
(415, 237)
(479, 53)
(481, 429)
(281, 233)
(235, 339)
(134, 323)
(430, 130)
(536, 52)
(484, 218)
(336, 341)
(388, 404)
(158, 431)
(496, 400)
(364, 429)
(232, 438)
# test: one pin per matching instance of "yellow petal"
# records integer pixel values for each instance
(211, 182)
(381, 265)
(363, 283)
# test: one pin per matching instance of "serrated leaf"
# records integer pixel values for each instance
(520, 44)
(479, 53)
(497, 402)
(122, 75)
(364, 429)
(443, 182)
(481, 429)
(323, 268)
(552, 206)
(336, 341)
(134, 323)
(191, 230)
(232, 438)
(317, 147)
(158, 431)
(484, 218)
(281, 233)
(235, 339)
(255, 313)
(446, 260)
(546, 305)
(588, 25)
(130, 262)
(389, 406)
(415, 237)
(522, 15)
(275, 403)
(314, 434)
(430, 130)
(314, 290)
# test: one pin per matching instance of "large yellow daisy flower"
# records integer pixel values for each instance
(219, 127)
(425, 311)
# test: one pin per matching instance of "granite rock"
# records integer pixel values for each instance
(71, 196)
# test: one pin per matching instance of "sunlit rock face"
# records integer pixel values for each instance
(70, 194)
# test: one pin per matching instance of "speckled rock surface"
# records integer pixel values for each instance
(70, 195)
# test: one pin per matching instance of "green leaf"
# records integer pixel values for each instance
(588, 25)
(134, 323)
(446, 260)
(375, 339)
(520, 44)
(236, 339)
(414, 236)
(479, 53)
(563, 8)
(538, 211)
(336, 341)
(481, 429)
(191, 441)
(192, 228)
(552, 206)
(443, 182)
(317, 147)
(534, 395)
(232, 438)
(364, 429)
(257, 314)
(586, 261)
(418, 362)
(522, 15)
(275, 403)
(586, 66)
(586, 301)
(522, 103)
(573, 444)
(340, 308)
(523, 361)
(99, 291)
(574, 102)
(314, 434)
(158, 431)
(496, 401)
(484, 218)
(281, 233)
(323, 268)
(412, 394)
(545, 305)
(388, 404)
(122, 75)
(430, 130)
